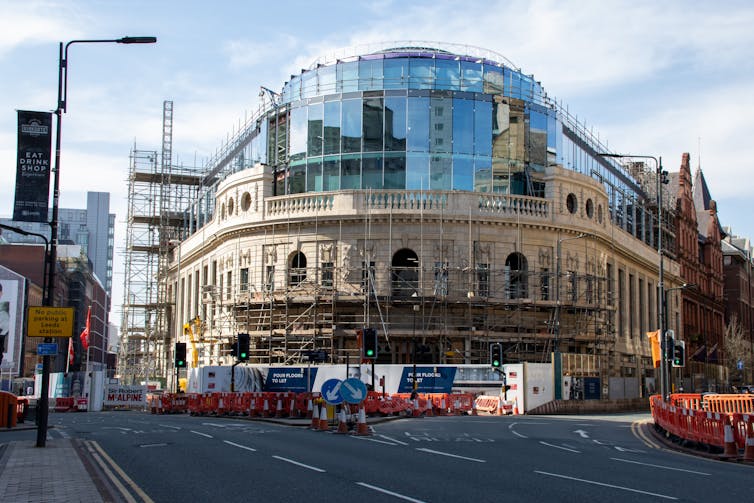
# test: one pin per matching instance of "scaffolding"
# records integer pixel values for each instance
(159, 194)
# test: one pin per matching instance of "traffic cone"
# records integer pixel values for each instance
(443, 407)
(279, 409)
(323, 426)
(309, 409)
(749, 449)
(315, 416)
(362, 428)
(430, 412)
(515, 406)
(731, 451)
(473, 407)
(342, 426)
(499, 411)
(415, 412)
(266, 408)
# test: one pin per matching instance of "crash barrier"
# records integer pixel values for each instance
(495, 405)
(299, 405)
(729, 433)
(63, 404)
(729, 404)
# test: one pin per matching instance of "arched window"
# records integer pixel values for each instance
(517, 273)
(404, 275)
(297, 269)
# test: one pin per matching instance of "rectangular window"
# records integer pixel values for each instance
(621, 302)
(269, 278)
(331, 173)
(350, 176)
(244, 280)
(314, 132)
(418, 124)
(328, 269)
(573, 286)
(631, 305)
(395, 73)
(372, 133)
(395, 123)
(483, 280)
(351, 128)
(441, 279)
(371, 165)
(314, 176)
(332, 128)
(544, 284)
(229, 285)
(395, 171)
(366, 274)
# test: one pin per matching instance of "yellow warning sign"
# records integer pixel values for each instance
(50, 322)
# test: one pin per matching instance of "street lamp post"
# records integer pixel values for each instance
(24, 232)
(556, 356)
(685, 286)
(59, 111)
(660, 180)
(415, 384)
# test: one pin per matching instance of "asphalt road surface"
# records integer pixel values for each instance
(514, 458)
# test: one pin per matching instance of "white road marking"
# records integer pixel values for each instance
(451, 455)
(375, 440)
(171, 427)
(299, 464)
(599, 442)
(518, 434)
(202, 434)
(153, 445)
(605, 485)
(393, 440)
(660, 466)
(582, 433)
(626, 449)
(391, 493)
(240, 446)
(559, 447)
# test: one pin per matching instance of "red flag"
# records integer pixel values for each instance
(70, 353)
(85, 333)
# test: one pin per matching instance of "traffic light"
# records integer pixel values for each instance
(242, 353)
(180, 354)
(679, 354)
(369, 343)
(496, 355)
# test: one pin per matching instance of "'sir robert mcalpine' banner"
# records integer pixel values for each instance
(33, 168)
(134, 396)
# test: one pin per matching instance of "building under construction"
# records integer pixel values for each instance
(437, 195)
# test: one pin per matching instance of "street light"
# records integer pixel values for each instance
(24, 232)
(685, 286)
(660, 179)
(59, 111)
(556, 356)
(415, 384)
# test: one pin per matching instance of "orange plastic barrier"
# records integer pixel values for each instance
(22, 405)
(63, 404)
(487, 404)
(8, 409)
(730, 404)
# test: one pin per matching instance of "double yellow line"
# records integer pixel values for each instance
(639, 431)
(119, 479)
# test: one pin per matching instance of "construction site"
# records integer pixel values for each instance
(250, 244)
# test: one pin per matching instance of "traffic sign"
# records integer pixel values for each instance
(50, 322)
(353, 390)
(331, 391)
(47, 348)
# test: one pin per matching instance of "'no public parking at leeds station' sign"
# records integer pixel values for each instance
(50, 322)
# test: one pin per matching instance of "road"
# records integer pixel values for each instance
(514, 458)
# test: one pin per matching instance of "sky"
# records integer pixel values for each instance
(650, 78)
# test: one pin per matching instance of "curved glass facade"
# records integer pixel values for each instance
(415, 120)
(420, 118)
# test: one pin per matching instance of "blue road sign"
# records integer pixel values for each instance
(47, 348)
(353, 390)
(331, 391)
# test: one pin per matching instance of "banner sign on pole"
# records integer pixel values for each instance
(297, 379)
(33, 166)
(428, 379)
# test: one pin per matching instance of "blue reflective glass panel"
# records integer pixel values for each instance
(441, 125)
(298, 133)
(463, 126)
(371, 169)
(351, 126)
(395, 123)
(421, 73)
(395, 73)
(309, 84)
(314, 175)
(348, 77)
(395, 170)
(483, 174)
(447, 74)
(332, 127)
(314, 134)
(297, 178)
(418, 124)
(440, 172)
(350, 171)
(483, 128)
(471, 77)
(370, 74)
(327, 76)
(372, 124)
(417, 171)
(463, 172)
(493, 79)
(331, 173)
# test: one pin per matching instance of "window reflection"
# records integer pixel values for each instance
(417, 137)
